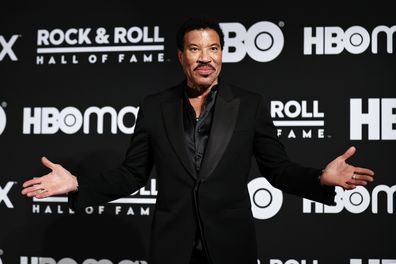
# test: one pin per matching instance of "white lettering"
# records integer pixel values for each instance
(380, 119)
(263, 41)
(7, 47)
(117, 210)
(389, 191)
(67, 260)
(389, 38)
(57, 37)
(311, 41)
(136, 34)
(4, 194)
(355, 201)
(373, 261)
(145, 211)
(294, 109)
(49, 120)
(388, 118)
(355, 40)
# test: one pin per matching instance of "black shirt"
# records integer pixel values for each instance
(196, 133)
(196, 130)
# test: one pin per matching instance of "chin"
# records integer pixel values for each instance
(205, 81)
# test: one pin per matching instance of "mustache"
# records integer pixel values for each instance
(204, 65)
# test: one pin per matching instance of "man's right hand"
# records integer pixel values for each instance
(58, 181)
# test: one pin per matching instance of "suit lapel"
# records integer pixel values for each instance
(172, 111)
(223, 125)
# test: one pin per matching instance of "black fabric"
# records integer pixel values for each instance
(196, 129)
(196, 134)
(241, 129)
(199, 257)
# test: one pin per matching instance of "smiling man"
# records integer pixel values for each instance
(201, 136)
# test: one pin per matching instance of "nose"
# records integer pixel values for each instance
(204, 57)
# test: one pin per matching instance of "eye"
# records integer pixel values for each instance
(214, 48)
(193, 49)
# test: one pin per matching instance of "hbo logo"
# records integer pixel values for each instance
(263, 41)
(380, 119)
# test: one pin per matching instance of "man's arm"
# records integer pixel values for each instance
(312, 183)
(110, 185)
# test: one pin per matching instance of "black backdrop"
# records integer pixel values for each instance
(343, 96)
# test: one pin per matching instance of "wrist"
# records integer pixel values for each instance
(75, 182)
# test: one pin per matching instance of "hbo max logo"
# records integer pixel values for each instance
(355, 40)
(48, 260)
(263, 41)
(70, 120)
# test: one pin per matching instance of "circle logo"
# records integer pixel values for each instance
(265, 199)
(264, 41)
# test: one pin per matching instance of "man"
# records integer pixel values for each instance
(201, 136)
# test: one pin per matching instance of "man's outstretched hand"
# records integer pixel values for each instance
(340, 173)
(58, 181)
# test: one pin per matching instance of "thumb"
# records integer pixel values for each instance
(349, 153)
(47, 163)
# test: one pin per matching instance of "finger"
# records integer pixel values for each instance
(32, 189)
(32, 182)
(348, 186)
(47, 163)
(364, 171)
(32, 194)
(43, 194)
(358, 182)
(347, 154)
(364, 178)
(37, 193)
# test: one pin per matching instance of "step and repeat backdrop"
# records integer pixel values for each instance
(71, 81)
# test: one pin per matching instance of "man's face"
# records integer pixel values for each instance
(201, 58)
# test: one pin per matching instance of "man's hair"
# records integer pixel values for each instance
(194, 23)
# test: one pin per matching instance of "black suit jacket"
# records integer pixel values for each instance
(219, 203)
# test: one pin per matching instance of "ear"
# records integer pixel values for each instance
(180, 56)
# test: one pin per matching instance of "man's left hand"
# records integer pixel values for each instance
(340, 173)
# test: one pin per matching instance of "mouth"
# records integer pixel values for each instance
(204, 70)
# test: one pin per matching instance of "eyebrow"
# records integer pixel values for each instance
(193, 44)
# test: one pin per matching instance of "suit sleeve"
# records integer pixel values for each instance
(280, 171)
(122, 181)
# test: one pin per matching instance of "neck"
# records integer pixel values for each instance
(194, 93)
(197, 98)
(195, 90)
